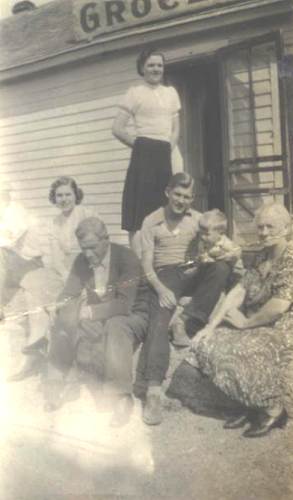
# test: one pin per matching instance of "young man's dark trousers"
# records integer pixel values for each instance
(149, 323)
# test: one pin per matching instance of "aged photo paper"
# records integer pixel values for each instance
(91, 91)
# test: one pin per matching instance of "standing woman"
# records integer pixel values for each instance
(154, 110)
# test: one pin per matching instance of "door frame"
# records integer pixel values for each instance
(175, 66)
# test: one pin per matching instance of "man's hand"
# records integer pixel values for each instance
(236, 318)
(85, 312)
(166, 297)
(184, 301)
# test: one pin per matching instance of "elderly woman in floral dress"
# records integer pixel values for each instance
(251, 359)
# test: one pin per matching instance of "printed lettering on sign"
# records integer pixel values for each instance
(97, 17)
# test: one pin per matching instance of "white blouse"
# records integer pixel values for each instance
(152, 109)
(62, 234)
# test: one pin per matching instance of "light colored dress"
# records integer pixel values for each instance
(63, 241)
(44, 285)
(255, 366)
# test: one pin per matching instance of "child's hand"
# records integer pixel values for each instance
(217, 253)
(205, 258)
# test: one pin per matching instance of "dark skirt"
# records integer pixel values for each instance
(147, 176)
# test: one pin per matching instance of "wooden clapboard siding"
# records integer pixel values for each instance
(60, 124)
(80, 84)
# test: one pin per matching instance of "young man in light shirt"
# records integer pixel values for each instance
(168, 236)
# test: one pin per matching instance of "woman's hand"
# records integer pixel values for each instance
(119, 129)
(237, 319)
(205, 333)
(166, 298)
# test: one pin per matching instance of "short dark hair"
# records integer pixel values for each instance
(92, 225)
(181, 179)
(64, 181)
(145, 54)
(22, 6)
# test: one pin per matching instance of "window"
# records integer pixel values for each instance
(254, 157)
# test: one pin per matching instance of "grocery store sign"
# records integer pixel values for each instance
(96, 17)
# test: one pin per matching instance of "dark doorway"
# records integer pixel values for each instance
(198, 85)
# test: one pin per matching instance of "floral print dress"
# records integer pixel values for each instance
(255, 366)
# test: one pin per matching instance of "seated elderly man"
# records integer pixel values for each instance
(168, 236)
(101, 285)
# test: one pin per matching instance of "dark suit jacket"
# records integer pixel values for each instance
(124, 276)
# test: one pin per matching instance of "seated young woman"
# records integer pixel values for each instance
(45, 284)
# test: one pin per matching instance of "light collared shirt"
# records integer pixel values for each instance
(101, 274)
(62, 237)
(169, 247)
(18, 231)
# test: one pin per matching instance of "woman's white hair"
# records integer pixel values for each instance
(277, 209)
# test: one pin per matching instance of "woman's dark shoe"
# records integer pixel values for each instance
(40, 346)
(236, 422)
(123, 411)
(266, 424)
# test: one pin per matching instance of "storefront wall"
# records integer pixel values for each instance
(62, 126)
(58, 122)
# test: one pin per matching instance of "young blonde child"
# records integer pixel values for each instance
(211, 245)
